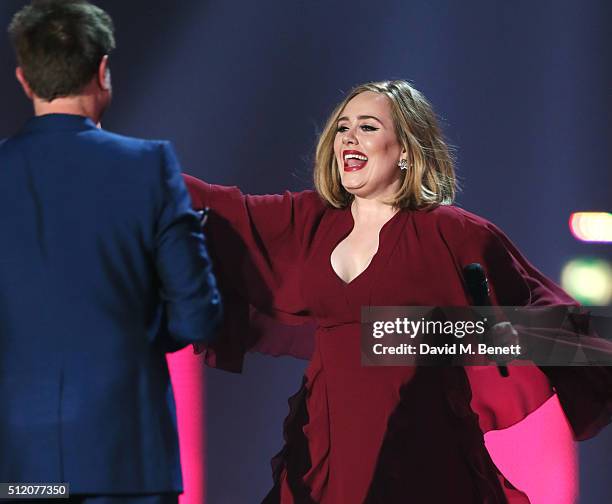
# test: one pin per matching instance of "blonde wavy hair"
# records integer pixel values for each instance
(430, 178)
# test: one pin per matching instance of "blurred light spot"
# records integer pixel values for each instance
(591, 226)
(588, 280)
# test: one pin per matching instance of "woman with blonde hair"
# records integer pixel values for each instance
(380, 230)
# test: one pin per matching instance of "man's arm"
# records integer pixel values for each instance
(188, 287)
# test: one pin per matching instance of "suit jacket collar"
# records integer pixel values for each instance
(59, 122)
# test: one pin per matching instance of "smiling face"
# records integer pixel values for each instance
(376, 125)
(366, 147)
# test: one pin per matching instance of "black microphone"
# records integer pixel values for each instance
(478, 288)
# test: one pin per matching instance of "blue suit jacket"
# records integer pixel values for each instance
(102, 269)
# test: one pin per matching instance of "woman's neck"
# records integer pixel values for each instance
(371, 210)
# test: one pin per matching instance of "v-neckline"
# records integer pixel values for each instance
(344, 235)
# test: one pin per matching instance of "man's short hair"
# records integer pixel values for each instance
(59, 45)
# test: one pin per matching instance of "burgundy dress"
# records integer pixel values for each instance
(379, 434)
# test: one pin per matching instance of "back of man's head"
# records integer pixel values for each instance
(59, 45)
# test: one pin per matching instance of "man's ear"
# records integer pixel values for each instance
(24, 83)
(104, 79)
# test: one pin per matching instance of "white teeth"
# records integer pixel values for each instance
(355, 156)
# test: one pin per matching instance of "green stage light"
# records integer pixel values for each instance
(589, 280)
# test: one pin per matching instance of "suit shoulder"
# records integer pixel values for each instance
(130, 144)
(9, 142)
(151, 157)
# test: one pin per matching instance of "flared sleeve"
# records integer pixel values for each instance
(585, 392)
(257, 245)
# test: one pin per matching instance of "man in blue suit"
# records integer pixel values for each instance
(102, 270)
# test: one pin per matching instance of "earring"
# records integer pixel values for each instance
(403, 164)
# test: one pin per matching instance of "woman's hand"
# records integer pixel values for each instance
(203, 215)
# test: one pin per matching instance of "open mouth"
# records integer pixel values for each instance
(354, 160)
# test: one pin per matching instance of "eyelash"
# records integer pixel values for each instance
(364, 127)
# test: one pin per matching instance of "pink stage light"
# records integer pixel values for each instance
(187, 374)
(591, 226)
(538, 455)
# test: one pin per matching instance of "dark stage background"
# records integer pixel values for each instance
(242, 89)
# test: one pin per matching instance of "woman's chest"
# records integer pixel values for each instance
(407, 269)
(353, 254)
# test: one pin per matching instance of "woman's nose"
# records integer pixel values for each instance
(349, 138)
